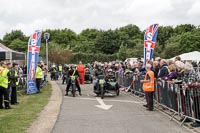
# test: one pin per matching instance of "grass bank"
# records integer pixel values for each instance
(18, 119)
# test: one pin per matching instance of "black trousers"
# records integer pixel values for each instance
(4, 96)
(149, 99)
(38, 82)
(14, 95)
(69, 84)
(196, 106)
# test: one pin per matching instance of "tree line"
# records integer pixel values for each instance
(66, 46)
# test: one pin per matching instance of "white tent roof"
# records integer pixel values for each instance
(194, 56)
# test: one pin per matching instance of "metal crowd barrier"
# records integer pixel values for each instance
(22, 85)
(182, 102)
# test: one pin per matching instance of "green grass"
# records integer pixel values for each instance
(18, 119)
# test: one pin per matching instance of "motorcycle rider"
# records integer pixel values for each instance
(65, 74)
(99, 71)
(110, 77)
(73, 72)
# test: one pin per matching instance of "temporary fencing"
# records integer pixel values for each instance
(184, 103)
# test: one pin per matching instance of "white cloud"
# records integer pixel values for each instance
(29, 15)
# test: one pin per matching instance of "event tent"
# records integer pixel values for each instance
(9, 54)
(192, 56)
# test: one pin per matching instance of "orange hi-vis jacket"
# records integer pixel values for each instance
(149, 86)
(81, 68)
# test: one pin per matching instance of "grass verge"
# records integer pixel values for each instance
(18, 119)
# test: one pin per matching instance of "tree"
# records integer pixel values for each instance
(59, 55)
(108, 42)
(15, 34)
(19, 45)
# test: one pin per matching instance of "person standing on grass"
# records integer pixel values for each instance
(4, 86)
(148, 87)
(13, 82)
(39, 75)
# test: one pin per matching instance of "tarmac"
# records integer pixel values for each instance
(90, 114)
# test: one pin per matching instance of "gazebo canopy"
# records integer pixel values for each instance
(192, 56)
(9, 54)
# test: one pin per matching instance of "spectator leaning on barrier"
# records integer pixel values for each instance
(172, 73)
(180, 69)
(148, 87)
(156, 68)
(163, 72)
(4, 87)
(13, 82)
(190, 76)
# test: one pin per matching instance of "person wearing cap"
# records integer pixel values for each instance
(39, 75)
(73, 72)
(13, 82)
(148, 87)
(110, 76)
(53, 72)
(4, 86)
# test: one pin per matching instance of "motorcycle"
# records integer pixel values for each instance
(73, 85)
(111, 86)
(100, 88)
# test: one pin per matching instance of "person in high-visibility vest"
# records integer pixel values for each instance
(13, 82)
(148, 87)
(39, 75)
(81, 70)
(4, 87)
(60, 68)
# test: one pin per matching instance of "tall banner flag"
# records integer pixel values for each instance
(32, 60)
(149, 42)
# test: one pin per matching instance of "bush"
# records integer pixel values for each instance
(89, 58)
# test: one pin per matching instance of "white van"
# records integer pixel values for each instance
(131, 60)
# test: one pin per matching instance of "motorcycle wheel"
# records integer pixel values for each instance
(73, 90)
(117, 92)
(102, 93)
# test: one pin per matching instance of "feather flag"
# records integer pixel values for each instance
(149, 42)
(32, 60)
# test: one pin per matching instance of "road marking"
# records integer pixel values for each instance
(102, 104)
(108, 100)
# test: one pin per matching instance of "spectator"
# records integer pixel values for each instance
(148, 87)
(172, 73)
(4, 95)
(163, 69)
(13, 82)
(156, 68)
(177, 58)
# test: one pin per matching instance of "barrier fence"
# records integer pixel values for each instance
(171, 96)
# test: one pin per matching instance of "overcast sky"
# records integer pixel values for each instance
(31, 15)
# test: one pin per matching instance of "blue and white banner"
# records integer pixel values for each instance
(150, 42)
(32, 61)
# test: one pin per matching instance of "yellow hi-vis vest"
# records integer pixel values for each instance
(1, 69)
(4, 78)
(149, 86)
(39, 73)
(16, 75)
(60, 68)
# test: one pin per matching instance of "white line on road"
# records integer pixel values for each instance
(102, 104)
(92, 99)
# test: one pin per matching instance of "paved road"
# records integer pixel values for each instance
(127, 115)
